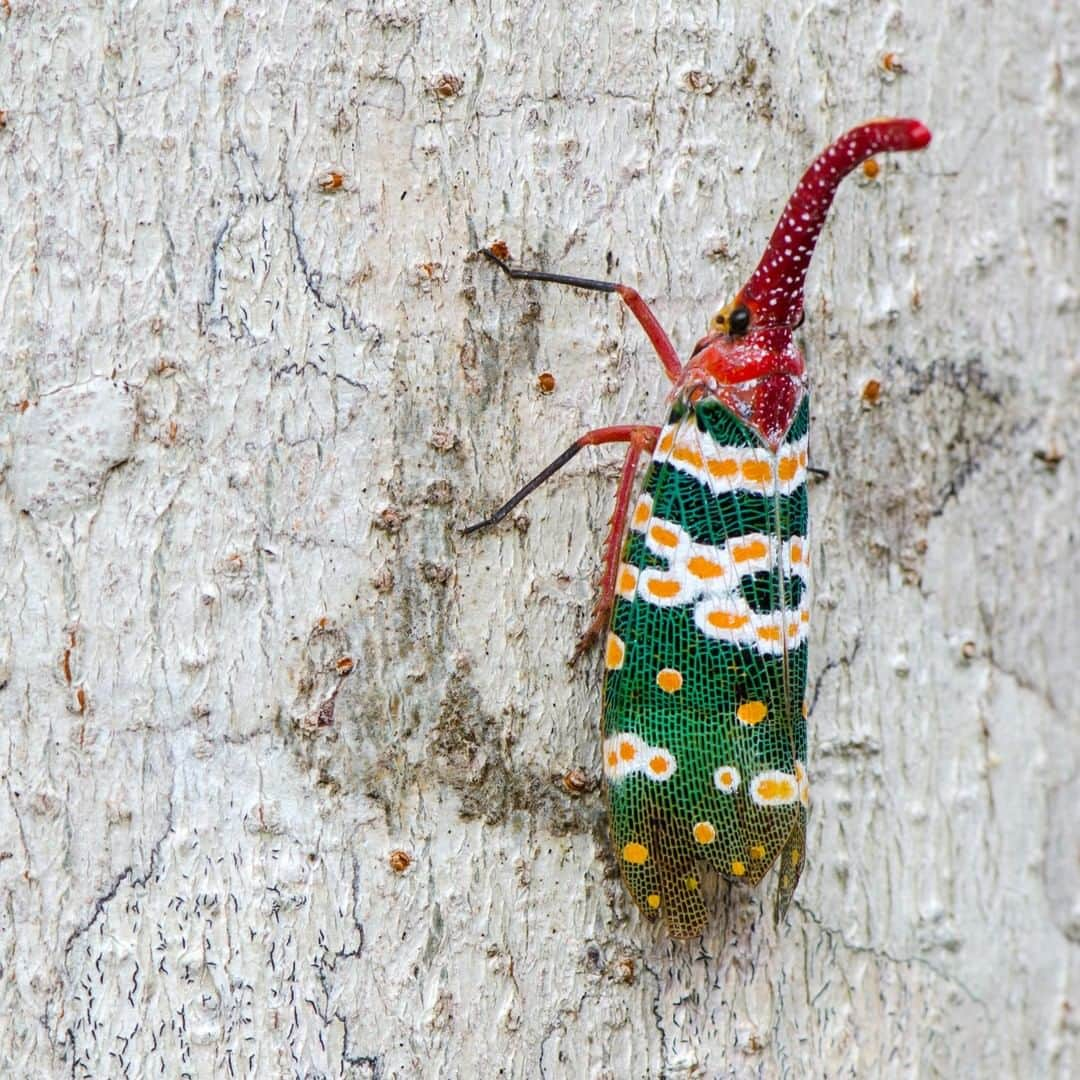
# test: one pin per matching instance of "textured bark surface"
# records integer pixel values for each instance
(254, 379)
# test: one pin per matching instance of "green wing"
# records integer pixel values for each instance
(704, 730)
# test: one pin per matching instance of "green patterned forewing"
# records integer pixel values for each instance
(704, 732)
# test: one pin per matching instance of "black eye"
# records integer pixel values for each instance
(739, 321)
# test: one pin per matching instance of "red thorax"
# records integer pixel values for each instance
(760, 377)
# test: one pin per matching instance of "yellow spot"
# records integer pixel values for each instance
(794, 855)
(757, 472)
(627, 580)
(796, 553)
(701, 567)
(752, 712)
(787, 468)
(724, 620)
(659, 765)
(793, 629)
(773, 790)
(691, 457)
(804, 616)
(738, 868)
(653, 900)
(691, 884)
(799, 771)
(704, 832)
(627, 751)
(614, 653)
(802, 457)
(768, 633)
(757, 851)
(664, 589)
(805, 708)
(642, 512)
(723, 468)
(756, 549)
(612, 759)
(665, 443)
(669, 680)
(635, 853)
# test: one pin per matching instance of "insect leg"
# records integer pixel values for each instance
(644, 434)
(641, 311)
(641, 439)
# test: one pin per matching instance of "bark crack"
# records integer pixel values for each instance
(878, 953)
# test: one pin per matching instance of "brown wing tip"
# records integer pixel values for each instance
(789, 868)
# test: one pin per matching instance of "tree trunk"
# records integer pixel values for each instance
(296, 779)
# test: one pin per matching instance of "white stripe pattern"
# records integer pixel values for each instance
(708, 576)
(723, 469)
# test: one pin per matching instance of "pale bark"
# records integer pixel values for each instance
(244, 417)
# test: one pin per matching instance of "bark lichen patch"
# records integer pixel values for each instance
(472, 755)
(66, 444)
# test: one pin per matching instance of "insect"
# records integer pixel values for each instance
(705, 587)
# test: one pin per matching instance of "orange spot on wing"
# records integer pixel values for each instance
(704, 832)
(757, 472)
(768, 633)
(635, 853)
(659, 765)
(756, 549)
(796, 553)
(802, 457)
(724, 620)
(669, 680)
(653, 900)
(664, 537)
(804, 616)
(772, 790)
(723, 468)
(690, 457)
(757, 851)
(787, 468)
(613, 759)
(614, 653)
(752, 712)
(627, 580)
(664, 589)
(738, 868)
(701, 567)
(627, 751)
(665, 443)
(642, 512)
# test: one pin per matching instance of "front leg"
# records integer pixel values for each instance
(642, 439)
(633, 299)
